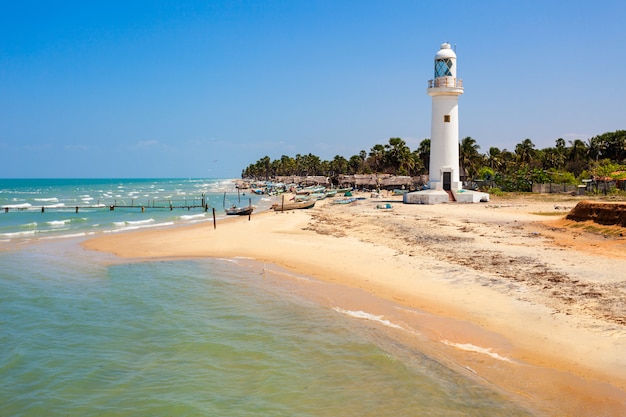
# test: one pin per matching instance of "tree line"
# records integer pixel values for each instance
(516, 170)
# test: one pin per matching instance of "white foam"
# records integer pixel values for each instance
(18, 206)
(367, 316)
(58, 223)
(55, 205)
(134, 223)
(80, 234)
(193, 216)
(136, 227)
(473, 348)
(49, 200)
(19, 234)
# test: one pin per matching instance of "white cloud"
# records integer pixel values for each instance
(145, 144)
(78, 147)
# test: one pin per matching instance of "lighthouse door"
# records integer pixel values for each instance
(447, 180)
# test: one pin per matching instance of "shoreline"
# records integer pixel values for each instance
(472, 279)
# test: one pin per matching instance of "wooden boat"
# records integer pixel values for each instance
(240, 211)
(293, 205)
(344, 200)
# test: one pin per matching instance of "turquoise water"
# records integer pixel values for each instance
(46, 208)
(87, 335)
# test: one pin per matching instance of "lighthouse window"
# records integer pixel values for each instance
(443, 67)
(446, 118)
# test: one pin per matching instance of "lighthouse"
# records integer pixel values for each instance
(444, 184)
(445, 89)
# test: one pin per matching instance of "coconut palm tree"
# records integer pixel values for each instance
(377, 157)
(469, 157)
(423, 151)
(577, 157)
(525, 152)
(494, 159)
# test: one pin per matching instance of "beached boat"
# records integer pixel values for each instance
(344, 200)
(311, 190)
(293, 205)
(240, 211)
(399, 191)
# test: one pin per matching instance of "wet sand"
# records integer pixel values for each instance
(508, 291)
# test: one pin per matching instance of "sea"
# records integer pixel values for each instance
(87, 334)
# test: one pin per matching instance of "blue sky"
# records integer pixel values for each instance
(204, 88)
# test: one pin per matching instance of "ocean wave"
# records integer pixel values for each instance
(193, 216)
(17, 206)
(367, 316)
(54, 205)
(49, 200)
(71, 235)
(57, 223)
(134, 223)
(11, 235)
(473, 348)
(136, 227)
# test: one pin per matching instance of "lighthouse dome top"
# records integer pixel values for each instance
(445, 52)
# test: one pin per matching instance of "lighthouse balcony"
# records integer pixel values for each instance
(445, 82)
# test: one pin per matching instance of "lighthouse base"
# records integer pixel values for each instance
(441, 196)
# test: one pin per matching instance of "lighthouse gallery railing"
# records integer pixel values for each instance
(445, 82)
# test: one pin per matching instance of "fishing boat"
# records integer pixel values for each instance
(344, 200)
(239, 211)
(293, 205)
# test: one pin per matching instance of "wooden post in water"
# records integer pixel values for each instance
(43, 209)
(76, 209)
(224, 202)
(250, 204)
(238, 196)
(282, 207)
(214, 223)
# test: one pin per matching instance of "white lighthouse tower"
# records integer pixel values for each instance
(445, 89)
(443, 174)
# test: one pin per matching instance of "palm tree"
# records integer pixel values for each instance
(469, 157)
(577, 157)
(551, 158)
(339, 165)
(377, 157)
(525, 152)
(494, 158)
(355, 164)
(265, 165)
(397, 155)
(424, 153)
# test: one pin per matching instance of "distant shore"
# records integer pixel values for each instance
(523, 299)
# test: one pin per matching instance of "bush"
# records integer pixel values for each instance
(496, 191)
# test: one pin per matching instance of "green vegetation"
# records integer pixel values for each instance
(602, 157)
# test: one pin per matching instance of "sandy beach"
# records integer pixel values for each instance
(508, 291)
